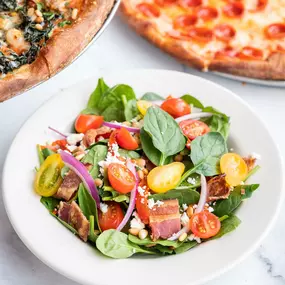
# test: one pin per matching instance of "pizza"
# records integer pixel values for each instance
(40, 37)
(241, 37)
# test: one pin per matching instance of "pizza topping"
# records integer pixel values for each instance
(184, 21)
(227, 52)
(8, 5)
(148, 10)
(224, 32)
(201, 34)
(257, 5)
(207, 13)
(15, 39)
(190, 3)
(233, 9)
(251, 53)
(275, 31)
(165, 2)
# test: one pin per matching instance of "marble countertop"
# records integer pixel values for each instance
(120, 48)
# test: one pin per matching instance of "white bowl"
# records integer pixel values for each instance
(58, 248)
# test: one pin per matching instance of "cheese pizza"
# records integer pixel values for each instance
(241, 37)
(39, 37)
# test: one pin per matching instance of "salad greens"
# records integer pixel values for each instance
(153, 169)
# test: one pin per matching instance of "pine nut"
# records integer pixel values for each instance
(39, 19)
(134, 232)
(74, 14)
(140, 162)
(145, 171)
(98, 182)
(38, 13)
(178, 158)
(143, 234)
(190, 211)
(140, 174)
(39, 27)
(80, 156)
(30, 12)
(182, 237)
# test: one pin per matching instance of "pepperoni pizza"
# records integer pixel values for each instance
(242, 37)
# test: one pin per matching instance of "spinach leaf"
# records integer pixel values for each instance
(87, 204)
(129, 153)
(216, 112)
(193, 101)
(92, 236)
(131, 110)
(47, 152)
(50, 203)
(64, 171)
(163, 249)
(164, 131)
(8, 5)
(73, 230)
(148, 241)
(218, 123)
(40, 154)
(184, 196)
(110, 194)
(150, 96)
(227, 206)
(64, 23)
(95, 154)
(227, 226)
(115, 244)
(153, 154)
(186, 246)
(115, 112)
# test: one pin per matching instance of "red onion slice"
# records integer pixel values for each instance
(132, 203)
(83, 174)
(119, 126)
(193, 116)
(58, 132)
(203, 195)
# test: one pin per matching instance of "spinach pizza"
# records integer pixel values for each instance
(39, 37)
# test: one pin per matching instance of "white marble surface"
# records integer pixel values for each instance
(120, 48)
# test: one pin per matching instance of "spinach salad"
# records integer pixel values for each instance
(147, 176)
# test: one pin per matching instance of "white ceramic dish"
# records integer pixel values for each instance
(65, 253)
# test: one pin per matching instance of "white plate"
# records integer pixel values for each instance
(65, 253)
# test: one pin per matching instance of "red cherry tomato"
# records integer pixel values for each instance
(176, 107)
(149, 10)
(121, 178)
(60, 144)
(193, 128)
(142, 204)
(112, 218)
(126, 140)
(205, 224)
(84, 123)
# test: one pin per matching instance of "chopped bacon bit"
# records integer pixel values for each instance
(250, 162)
(218, 188)
(242, 191)
(92, 134)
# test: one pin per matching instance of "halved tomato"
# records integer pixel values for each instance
(126, 140)
(205, 224)
(193, 128)
(121, 178)
(142, 203)
(84, 123)
(176, 107)
(112, 218)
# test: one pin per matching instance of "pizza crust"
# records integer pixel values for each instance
(60, 50)
(271, 69)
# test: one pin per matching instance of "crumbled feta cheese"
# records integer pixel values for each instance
(142, 200)
(231, 149)
(151, 203)
(185, 207)
(256, 155)
(141, 191)
(210, 209)
(71, 148)
(184, 219)
(103, 208)
(193, 237)
(73, 139)
(191, 180)
(136, 222)
(195, 206)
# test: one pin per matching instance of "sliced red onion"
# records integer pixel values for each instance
(119, 126)
(176, 236)
(58, 132)
(203, 195)
(132, 203)
(193, 116)
(83, 174)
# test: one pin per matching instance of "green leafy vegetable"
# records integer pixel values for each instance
(110, 194)
(164, 131)
(64, 23)
(47, 152)
(150, 96)
(8, 5)
(193, 101)
(40, 154)
(185, 246)
(92, 236)
(64, 171)
(129, 153)
(184, 196)
(115, 244)
(73, 230)
(131, 110)
(219, 124)
(227, 226)
(148, 241)
(95, 154)
(251, 172)
(87, 204)
(50, 203)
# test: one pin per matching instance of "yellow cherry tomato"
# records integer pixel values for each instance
(48, 178)
(143, 106)
(234, 167)
(164, 178)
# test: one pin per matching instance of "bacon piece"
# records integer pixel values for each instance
(250, 162)
(68, 186)
(218, 188)
(91, 135)
(72, 214)
(164, 220)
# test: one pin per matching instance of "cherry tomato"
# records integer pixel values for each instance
(60, 144)
(142, 204)
(193, 128)
(176, 107)
(164, 178)
(234, 167)
(112, 218)
(205, 224)
(143, 106)
(121, 178)
(48, 178)
(84, 123)
(126, 140)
